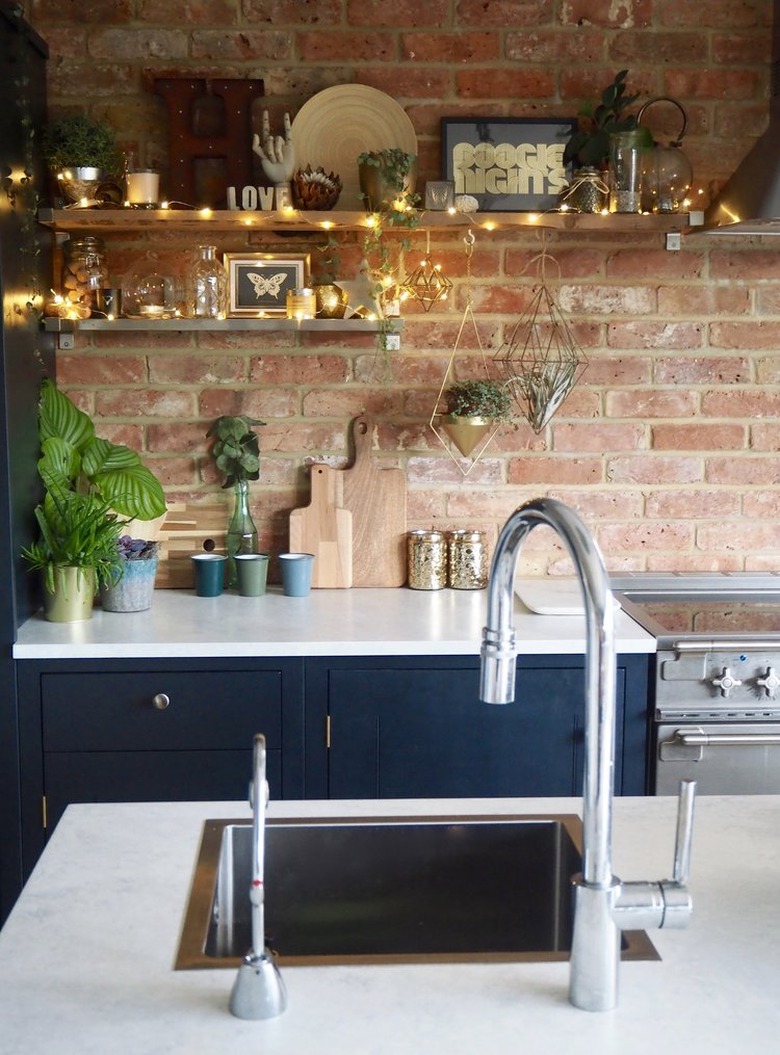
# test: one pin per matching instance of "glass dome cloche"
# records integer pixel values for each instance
(152, 289)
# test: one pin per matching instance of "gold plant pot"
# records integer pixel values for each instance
(74, 592)
(466, 432)
(331, 301)
(80, 184)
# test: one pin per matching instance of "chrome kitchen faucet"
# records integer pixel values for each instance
(603, 904)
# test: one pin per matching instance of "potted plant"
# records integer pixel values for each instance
(588, 147)
(387, 181)
(91, 488)
(82, 153)
(236, 453)
(472, 409)
(132, 589)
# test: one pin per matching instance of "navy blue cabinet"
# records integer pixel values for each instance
(414, 727)
(116, 731)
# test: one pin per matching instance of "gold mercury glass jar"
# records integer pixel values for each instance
(467, 567)
(427, 560)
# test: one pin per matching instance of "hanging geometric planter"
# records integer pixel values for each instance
(466, 433)
(541, 362)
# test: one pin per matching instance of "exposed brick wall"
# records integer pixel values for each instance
(669, 445)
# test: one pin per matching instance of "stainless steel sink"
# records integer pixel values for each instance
(391, 890)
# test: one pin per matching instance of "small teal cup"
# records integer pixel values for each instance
(209, 573)
(296, 573)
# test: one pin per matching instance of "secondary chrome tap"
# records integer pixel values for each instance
(603, 905)
(258, 991)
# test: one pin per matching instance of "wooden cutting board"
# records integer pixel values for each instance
(377, 500)
(324, 528)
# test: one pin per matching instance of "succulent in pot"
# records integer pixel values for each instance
(132, 589)
(92, 488)
(472, 409)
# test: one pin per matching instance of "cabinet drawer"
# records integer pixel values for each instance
(208, 710)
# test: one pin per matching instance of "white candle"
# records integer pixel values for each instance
(143, 188)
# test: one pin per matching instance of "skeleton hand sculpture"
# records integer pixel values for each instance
(276, 153)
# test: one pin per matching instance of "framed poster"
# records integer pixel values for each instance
(258, 282)
(508, 164)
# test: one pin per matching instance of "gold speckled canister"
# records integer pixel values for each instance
(427, 560)
(467, 567)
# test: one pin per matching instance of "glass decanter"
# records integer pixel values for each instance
(241, 532)
(206, 286)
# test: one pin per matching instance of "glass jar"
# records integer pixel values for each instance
(151, 290)
(427, 560)
(301, 304)
(467, 567)
(206, 286)
(84, 271)
(627, 162)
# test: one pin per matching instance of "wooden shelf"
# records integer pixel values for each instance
(69, 327)
(118, 220)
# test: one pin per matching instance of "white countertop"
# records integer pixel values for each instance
(86, 955)
(357, 622)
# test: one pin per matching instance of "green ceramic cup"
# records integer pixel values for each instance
(252, 571)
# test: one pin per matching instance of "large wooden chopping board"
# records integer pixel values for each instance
(324, 529)
(377, 500)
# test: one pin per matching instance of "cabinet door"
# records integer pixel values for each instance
(113, 732)
(418, 729)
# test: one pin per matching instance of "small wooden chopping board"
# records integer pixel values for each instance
(324, 529)
(377, 500)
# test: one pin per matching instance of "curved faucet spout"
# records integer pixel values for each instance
(602, 904)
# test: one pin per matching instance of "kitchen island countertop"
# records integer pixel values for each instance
(86, 955)
(357, 622)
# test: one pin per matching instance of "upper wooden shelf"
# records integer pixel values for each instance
(118, 220)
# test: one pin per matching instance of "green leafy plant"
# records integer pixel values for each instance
(78, 142)
(236, 448)
(91, 485)
(76, 530)
(394, 188)
(589, 144)
(478, 399)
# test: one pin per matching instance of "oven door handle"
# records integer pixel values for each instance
(698, 738)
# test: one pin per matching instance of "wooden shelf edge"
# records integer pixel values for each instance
(138, 220)
(69, 326)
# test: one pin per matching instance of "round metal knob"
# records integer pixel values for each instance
(726, 682)
(769, 682)
(161, 701)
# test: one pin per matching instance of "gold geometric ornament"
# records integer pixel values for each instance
(427, 284)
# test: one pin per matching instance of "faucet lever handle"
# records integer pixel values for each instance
(682, 845)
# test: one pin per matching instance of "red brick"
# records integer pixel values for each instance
(694, 301)
(648, 535)
(410, 82)
(698, 437)
(761, 503)
(306, 370)
(551, 46)
(122, 45)
(400, 14)
(758, 266)
(442, 469)
(197, 369)
(742, 471)
(717, 83)
(698, 370)
(607, 300)
(736, 49)
(742, 403)
(641, 403)
(504, 13)
(606, 13)
(549, 469)
(602, 504)
(136, 403)
(746, 537)
(218, 45)
(487, 83)
(692, 505)
(452, 48)
(291, 12)
(598, 436)
(629, 48)
(346, 45)
(654, 469)
(100, 369)
(98, 11)
(658, 334)
(611, 370)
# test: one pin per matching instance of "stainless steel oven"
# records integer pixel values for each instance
(717, 678)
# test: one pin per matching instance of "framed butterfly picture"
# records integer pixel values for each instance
(258, 282)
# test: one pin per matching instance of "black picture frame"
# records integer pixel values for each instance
(258, 282)
(509, 164)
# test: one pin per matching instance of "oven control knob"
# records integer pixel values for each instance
(769, 682)
(726, 682)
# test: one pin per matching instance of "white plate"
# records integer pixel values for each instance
(338, 123)
(552, 596)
